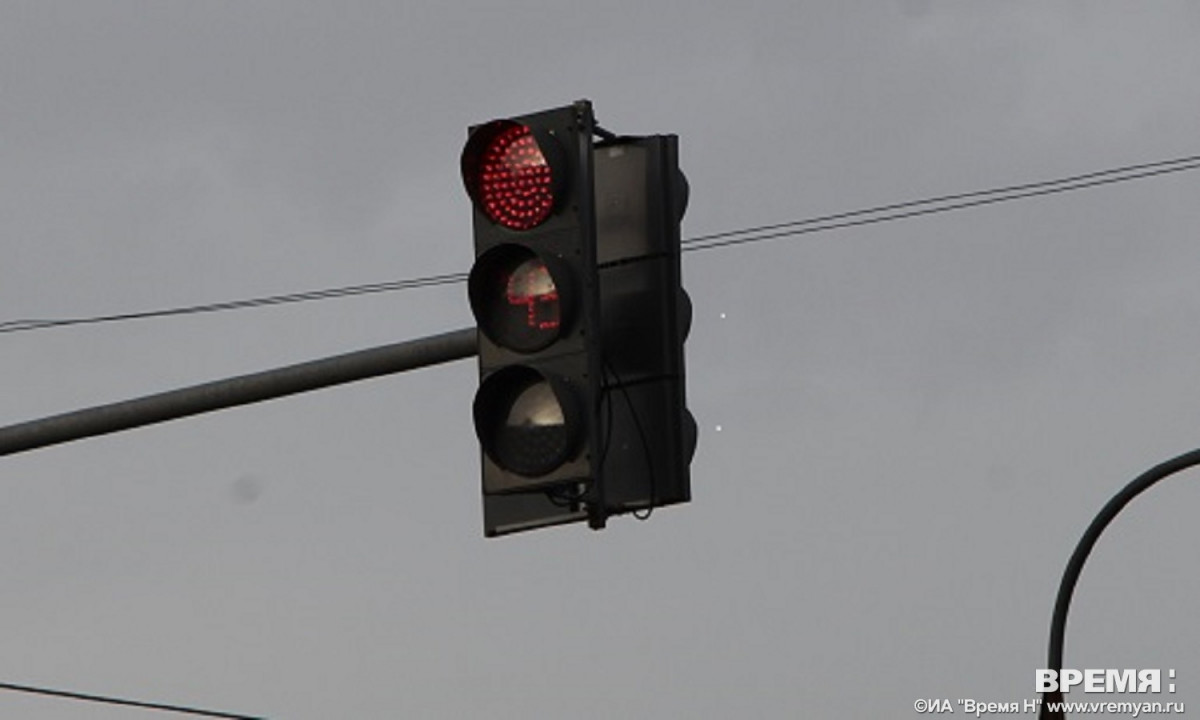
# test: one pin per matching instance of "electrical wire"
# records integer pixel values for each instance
(823, 224)
(126, 703)
(637, 422)
(347, 291)
(1158, 164)
(760, 233)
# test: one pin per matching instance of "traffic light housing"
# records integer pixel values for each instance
(575, 289)
(649, 435)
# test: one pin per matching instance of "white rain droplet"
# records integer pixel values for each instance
(718, 428)
(722, 316)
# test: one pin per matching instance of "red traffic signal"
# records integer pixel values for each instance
(581, 411)
(514, 173)
(534, 293)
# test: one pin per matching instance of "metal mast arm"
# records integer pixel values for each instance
(241, 390)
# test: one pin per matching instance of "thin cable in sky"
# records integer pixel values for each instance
(427, 281)
(759, 233)
(1165, 165)
(804, 227)
(127, 703)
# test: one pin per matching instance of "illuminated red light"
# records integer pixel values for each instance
(515, 184)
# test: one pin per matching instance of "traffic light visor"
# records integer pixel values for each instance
(526, 423)
(513, 173)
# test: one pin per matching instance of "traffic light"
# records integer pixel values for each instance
(649, 435)
(535, 295)
(575, 291)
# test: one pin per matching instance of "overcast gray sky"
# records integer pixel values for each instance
(917, 419)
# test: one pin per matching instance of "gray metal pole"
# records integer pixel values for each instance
(241, 390)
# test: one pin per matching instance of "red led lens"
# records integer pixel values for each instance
(515, 183)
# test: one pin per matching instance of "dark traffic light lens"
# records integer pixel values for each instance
(519, 300)
(511, 175)
(531, 290)
(525, 424)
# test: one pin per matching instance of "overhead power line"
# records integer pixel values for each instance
(760, 233)
(1072, 181)
(347, 291)
(941, 204)
(124, 702)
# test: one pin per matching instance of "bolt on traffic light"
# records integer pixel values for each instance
(575, 290)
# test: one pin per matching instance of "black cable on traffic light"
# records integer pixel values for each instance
(1058, 624)
(637, 422)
